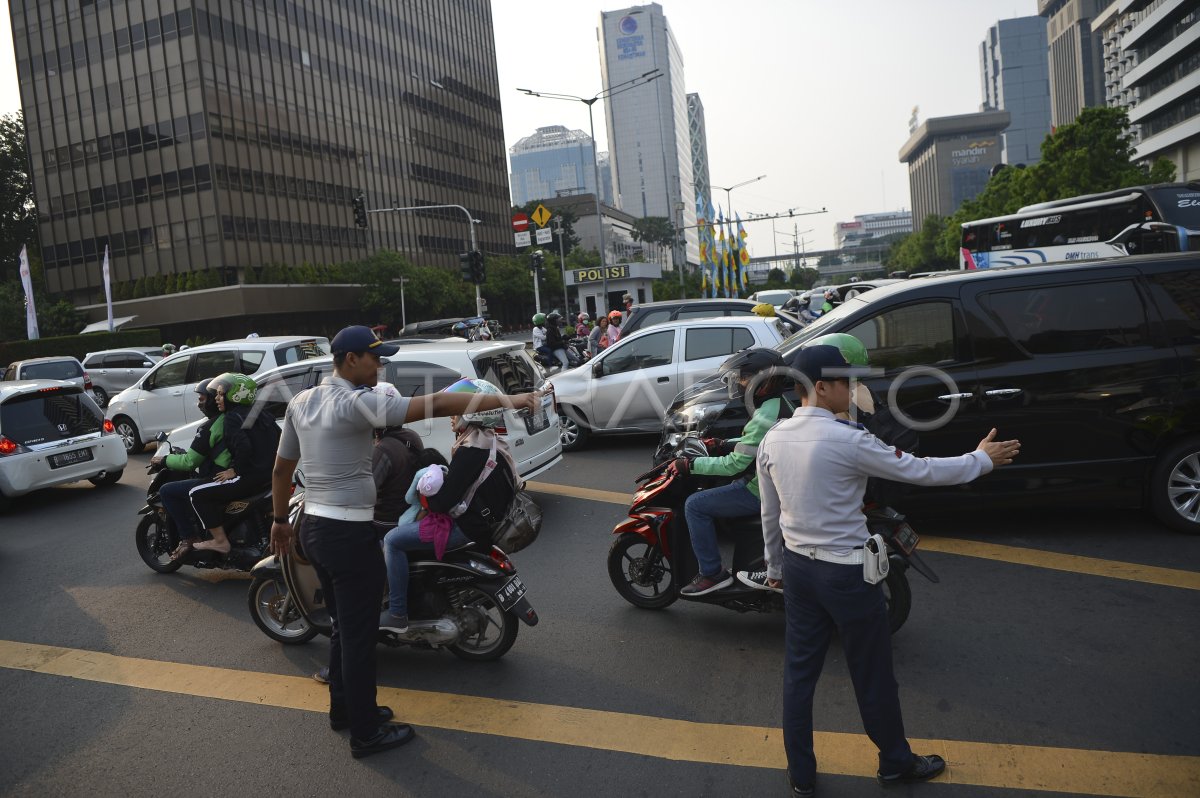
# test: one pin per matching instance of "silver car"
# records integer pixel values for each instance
(114, 370)
(64, 368)
(51, 433)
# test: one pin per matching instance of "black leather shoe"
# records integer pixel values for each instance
(341, 721)
(800, 792)
(922, 768)
(390, 735)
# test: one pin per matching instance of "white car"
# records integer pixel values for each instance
(428, 367)
(629, 386)
(165, 398)
(51, 433)
(776, 297)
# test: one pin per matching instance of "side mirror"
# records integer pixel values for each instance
(598, 369)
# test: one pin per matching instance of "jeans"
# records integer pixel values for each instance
(174, 497)
(347, 559)
(728, 501)
(396, 545)
(819, 597)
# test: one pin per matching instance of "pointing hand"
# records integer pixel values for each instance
(1000, 452)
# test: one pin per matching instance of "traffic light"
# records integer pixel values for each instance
(536, 259)
(360, 210)
(464, 266)
(477, 273)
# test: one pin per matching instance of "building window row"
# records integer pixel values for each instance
(1170, 34)
(439, 244)
(153, 136)
(1171, 116)
(270, 184)
(276, 231)
(246, 131)
(130, 192)
(440, 177)
(96, 48)
(448, 214)
(1168, 77)
(132, 242)
(229, 32)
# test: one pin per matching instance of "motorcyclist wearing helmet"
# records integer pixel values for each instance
(581, 325)
(475, 492)
(827, 305)
(252, 437)
(554, 337)
(758, 375)
(206, 455)
(614, 327)
(168, 349)
(539, 339)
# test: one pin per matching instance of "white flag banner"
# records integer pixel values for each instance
(30, 312)
(107, 289)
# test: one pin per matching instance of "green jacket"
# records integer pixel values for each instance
(207, 437)
(746, 447)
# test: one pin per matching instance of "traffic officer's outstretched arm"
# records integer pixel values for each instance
(437, 405)
(877, 459)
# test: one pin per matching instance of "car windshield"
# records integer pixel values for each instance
(52, 370)
(300, 350)
(49, 415)
(818, 327)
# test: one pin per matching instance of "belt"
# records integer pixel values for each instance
(343, 513)
(855, 557)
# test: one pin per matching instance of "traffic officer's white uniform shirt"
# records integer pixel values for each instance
(332, 426)
(812, 474)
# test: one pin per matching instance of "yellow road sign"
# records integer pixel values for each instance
(540, 216)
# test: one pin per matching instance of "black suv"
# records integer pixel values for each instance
(1094, 367)
(652, 313)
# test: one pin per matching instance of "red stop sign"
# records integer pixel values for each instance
(520, 223)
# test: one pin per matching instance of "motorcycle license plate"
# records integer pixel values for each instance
(512, 592)
(906, 538)
(69, 458)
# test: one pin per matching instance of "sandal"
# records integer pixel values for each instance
(181, 550)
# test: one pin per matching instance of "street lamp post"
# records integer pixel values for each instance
(611, 91)
(558, 221)
(729, 201)
(403, 316)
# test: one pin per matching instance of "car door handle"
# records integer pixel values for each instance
(664, 379)
(946, 397)
(1002, 392)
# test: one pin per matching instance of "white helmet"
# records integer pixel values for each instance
(489, 419)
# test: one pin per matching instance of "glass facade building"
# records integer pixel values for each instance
(1015, 72)
(1076, 57)
(699, 136)
(553, 162)
(214, 135)
(648, 135)
(949, 159)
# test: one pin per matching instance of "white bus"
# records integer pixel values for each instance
(1129, 221)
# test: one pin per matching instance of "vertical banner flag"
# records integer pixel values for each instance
(107, 289)
(735, 259)
(711, 231)
(743, 251)
(31, 327)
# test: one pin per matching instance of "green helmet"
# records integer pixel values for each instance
(851, 348)
(238, 388)
(539, 319)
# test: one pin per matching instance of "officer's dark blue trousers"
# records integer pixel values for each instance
(820, 597)
(349, 563)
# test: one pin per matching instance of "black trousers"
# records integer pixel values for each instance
(349, 563)
(819, 597)
(209, 499)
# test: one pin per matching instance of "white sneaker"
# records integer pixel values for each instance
(757, 580)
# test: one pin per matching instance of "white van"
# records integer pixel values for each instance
(165, 397)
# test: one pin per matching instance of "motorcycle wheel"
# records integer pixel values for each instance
(640, 572)
(489, 632)
(155, 542)
(898, 594)
(275, 613)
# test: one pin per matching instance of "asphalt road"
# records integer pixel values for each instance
(1022, 661)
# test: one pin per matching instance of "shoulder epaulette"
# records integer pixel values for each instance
(849, 423)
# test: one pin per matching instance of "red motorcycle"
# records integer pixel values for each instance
(652, 556)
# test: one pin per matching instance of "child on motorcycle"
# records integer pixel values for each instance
(756, 369)
(475, 493)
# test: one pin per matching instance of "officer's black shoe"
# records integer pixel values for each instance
(390, 735)
(340, 720)
(922, 768)
(800, 792)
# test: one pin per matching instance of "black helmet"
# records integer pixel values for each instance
(209, 408)
(749, 362)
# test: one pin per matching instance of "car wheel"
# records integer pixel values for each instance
(1175, 487)
(101, 396)
(107, 478)
(129, 434)
(573, 434)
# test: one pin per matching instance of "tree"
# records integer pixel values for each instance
(654, 230)
(18, 216)
(921, 250)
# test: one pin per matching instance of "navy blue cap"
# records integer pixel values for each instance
(824, 362)
(360, 339)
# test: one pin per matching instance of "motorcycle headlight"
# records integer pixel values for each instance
(699, 415)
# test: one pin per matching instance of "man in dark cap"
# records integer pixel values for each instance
(332, 425)
(813, 470)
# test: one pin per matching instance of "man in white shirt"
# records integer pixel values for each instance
(812, 471)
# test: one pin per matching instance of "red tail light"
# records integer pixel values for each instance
(502, 562)
(7, 446)
(108, 426)
(87, 381)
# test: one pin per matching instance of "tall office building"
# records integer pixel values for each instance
(1014, 70)
(949, 159)
(867, 226)
(553, 162)
(1076, 57)
(194, 135)
(606, 181)
(1152, 69)
(699, 148)
(648, 134)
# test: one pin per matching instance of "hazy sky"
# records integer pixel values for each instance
(816, 94)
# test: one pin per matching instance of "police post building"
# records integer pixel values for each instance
(635, 279)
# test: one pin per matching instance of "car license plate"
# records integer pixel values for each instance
(510, 594)
(540, 419)
(69, 458)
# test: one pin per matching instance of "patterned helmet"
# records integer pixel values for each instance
(238, 388)
(490, 419)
